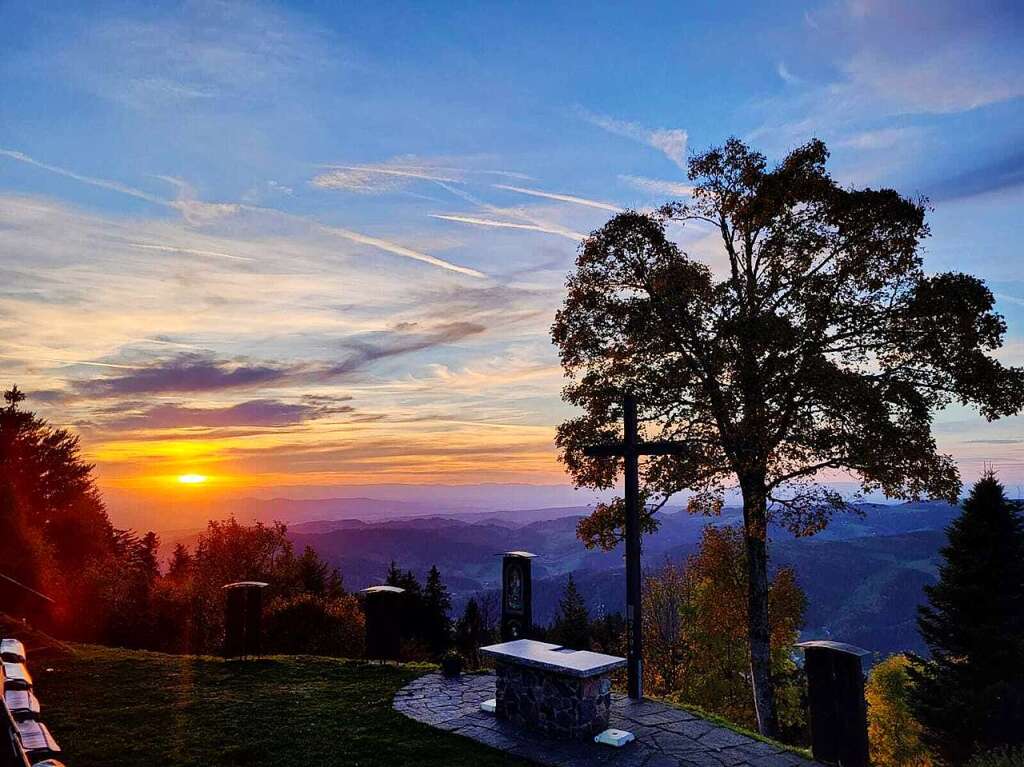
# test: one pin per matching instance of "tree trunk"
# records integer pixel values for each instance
(755, 533)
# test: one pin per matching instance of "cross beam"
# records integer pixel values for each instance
(630, 449)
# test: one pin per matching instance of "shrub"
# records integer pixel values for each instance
(1000, 757)
(307, 623)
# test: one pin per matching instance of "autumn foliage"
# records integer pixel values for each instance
(695, 632)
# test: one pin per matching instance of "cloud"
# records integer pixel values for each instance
(257, 412)
(562, 198)
(203, 54)
(544, 228)
(671, 142)
(199, 213)
(787, 77)
(885, 138)
(372, 179)
(405, 338)
(189, 251)
(113, 186)
(1004, 173)
(190, 372)
(658, 186)
(399, 172)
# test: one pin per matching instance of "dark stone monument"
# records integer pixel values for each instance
(838, 710)
(382, 606)
(516, 595)
(243, 619)
(630, 450)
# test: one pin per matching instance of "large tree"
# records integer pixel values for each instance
(970, 696)
(816, 342)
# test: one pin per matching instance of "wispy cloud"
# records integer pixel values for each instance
(658, 186)
(257, 412)
(546, 229)
(786, 76)
(671, 142)
(401, 250)
(191, 372)
(399, 172)
(189, 251)
(200, 212)
(562, 198)
(102, 183)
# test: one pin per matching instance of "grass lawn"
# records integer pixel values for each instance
(121, 707)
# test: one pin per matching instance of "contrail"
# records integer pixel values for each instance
(114, 186)
(567, 233)
(192, 251)
(561, 198)
(389, 247)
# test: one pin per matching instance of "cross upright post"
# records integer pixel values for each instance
(630, 450)
(634, 608)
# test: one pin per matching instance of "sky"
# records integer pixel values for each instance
(294, 246)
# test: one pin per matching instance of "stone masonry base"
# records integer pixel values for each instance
(553, 704)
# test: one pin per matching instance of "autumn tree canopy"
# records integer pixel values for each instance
(817, 342)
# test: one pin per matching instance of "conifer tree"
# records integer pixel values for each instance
(437, 626)
(969, 697)
(469, 633)
(572, 623)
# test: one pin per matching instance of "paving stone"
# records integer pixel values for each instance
(694, 728)
(666, 736)
(720, 737)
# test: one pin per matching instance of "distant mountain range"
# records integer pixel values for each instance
(863, 575)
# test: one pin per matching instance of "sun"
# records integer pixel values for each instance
(192, 479)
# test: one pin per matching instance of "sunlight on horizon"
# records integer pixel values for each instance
(192, 479)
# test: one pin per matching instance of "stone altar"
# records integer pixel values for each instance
(552, 689)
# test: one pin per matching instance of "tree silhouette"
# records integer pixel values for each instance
(437, 625)
(572, 622)
(470, 633)
(55, 527)
(970, 696)
(824, 346)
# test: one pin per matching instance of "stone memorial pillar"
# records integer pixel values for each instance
(838, 710)
(243, 619)
(382, 606)
(516, 595)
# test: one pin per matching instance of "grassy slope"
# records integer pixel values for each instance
(109, 706)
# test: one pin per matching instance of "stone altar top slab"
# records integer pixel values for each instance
(553, 658)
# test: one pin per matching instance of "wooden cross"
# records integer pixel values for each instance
(630, 449)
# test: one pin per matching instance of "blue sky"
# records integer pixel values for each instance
(321, 244)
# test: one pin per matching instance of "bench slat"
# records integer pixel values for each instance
(16, 676)
(35, 737)
(23, 704)
(12, 650)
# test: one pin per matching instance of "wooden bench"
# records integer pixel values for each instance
(12, 651)
(15, 676)
(24, 740)
(553, 689)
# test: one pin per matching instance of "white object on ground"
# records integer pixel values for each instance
(613, 737)
(489, 705)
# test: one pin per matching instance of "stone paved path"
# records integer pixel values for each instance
(665, 737)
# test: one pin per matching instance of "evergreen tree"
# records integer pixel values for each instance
(181, 563)
(469, 633)
(315, 576)
(572, 623)
(437, 626)
(969, 697)
(411, 618)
